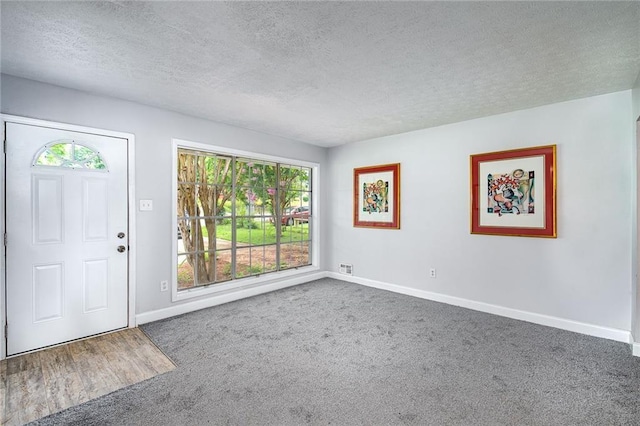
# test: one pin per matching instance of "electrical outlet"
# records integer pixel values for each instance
(164, 285)
(146, 205)
(432, 272)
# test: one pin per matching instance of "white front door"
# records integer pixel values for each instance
(67, 235)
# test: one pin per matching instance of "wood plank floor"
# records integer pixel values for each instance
(45, 382)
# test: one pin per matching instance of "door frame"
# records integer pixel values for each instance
(131, 210)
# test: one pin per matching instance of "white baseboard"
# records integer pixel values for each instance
(546, 320)
(561, 323)
(231, 296)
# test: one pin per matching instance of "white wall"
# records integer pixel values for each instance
(153, 129)
(583, 275)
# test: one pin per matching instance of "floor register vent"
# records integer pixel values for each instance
(346, 269)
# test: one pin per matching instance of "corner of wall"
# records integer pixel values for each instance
(635, 298)
(635, 99)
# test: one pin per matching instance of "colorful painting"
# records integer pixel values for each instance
(511, 193)
(377, 196)
(514, 192)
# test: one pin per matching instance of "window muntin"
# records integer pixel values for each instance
(70, 154)
(229, 215)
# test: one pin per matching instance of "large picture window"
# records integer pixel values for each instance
(239, 217)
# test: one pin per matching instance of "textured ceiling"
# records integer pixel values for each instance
(328, 73)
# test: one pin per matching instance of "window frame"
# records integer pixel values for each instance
(249, 281)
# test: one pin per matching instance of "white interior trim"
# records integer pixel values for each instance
(227, 297)
(132, 211)
(3, 257)
(635, 229)
(239, 153)
(549, 321)
(131, 169)
(240, 284)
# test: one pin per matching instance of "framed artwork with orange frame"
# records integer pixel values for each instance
(513, 192)
(376, 196)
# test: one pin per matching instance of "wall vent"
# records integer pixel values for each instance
(346, 269)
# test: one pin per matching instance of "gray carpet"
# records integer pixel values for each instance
(331, 352)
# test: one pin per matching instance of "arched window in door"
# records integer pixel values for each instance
(70, 154)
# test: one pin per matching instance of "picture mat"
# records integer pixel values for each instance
(535, 220)
(368, 178)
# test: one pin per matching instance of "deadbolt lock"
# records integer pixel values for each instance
(120, 234)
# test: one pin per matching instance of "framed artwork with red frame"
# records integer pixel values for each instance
(514, 192)
(376, 196)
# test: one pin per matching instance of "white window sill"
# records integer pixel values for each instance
(240, 283)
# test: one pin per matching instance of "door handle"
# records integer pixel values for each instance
(121, 249)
